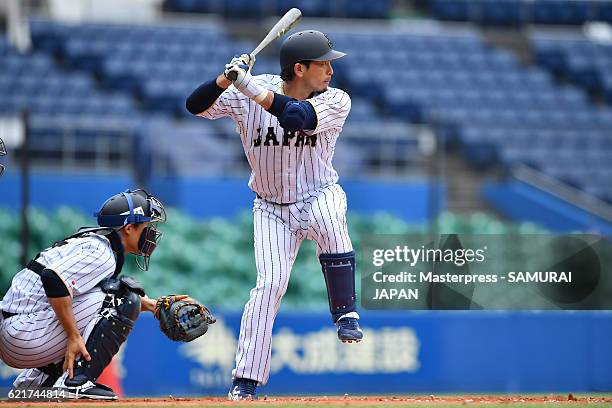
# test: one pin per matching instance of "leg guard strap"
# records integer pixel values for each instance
(53, 371)
(106, 337)
(339, 273)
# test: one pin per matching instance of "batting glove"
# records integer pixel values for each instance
(243, 62)
(238, 68)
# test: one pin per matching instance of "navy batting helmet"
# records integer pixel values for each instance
(307, 45)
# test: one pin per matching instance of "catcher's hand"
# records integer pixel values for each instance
(181, 318)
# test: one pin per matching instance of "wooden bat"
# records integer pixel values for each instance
(281, 27)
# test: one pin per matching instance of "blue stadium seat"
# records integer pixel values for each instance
(5, 48)
(452, 10)
(191, 6)
(14, 103)
(550, 57)
(561, 11)
(607, 87)
(243, 9)
(583, 71)
(362, 110)
(399, 103)
(605, 11)
(309, 8)
(501, 12)
(366, 9)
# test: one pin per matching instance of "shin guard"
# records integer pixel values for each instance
(107, 336)
(339, 273)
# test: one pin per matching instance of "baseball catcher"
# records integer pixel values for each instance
(68, 311)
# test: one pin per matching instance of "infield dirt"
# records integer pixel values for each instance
(489, 401)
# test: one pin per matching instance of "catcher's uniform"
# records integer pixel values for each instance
(30, 333)
(297, 198)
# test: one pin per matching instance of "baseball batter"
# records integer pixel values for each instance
(288, 125)
(67, 312)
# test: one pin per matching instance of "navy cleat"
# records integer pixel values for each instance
(243, 389)
(80, 387)
(348, 328)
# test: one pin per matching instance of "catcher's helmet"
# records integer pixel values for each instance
(135, 207)
(130, 207)
(308, 45)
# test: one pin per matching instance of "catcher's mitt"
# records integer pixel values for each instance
(182, 318)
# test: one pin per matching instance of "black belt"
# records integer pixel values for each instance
(6, 315)
(271, 202)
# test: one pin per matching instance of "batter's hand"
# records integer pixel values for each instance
(236, 71)
(248, 59)
(239, 63)
(74, 348)
(238, 68)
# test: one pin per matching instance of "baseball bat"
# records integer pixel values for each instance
(281, 27)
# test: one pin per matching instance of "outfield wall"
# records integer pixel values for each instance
(419, 352)
(415, 201)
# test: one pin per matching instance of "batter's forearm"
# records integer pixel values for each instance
(223, 82)
(206, 94)
(62, 306)
(266, 102)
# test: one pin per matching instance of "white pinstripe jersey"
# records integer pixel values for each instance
(287, 167)
(81, 263)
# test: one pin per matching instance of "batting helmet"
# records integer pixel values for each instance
(308, 45)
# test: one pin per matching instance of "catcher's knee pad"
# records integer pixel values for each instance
(108, 335)
(339, 273)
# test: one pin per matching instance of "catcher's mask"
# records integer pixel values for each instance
(135, 207)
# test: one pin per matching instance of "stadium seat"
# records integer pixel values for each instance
(452, 10)
(504, 12)
(561, 11)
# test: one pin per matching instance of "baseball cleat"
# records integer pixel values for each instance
(348, 328)
(243, 389)
(90, 390)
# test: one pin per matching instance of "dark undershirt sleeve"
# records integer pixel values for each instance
(203, 97)
(54, 286)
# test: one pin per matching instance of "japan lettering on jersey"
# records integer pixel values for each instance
(286, 166)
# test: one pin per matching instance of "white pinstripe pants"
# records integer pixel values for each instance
(279, 232)
(37, 339)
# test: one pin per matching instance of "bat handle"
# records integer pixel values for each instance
(232, 76)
